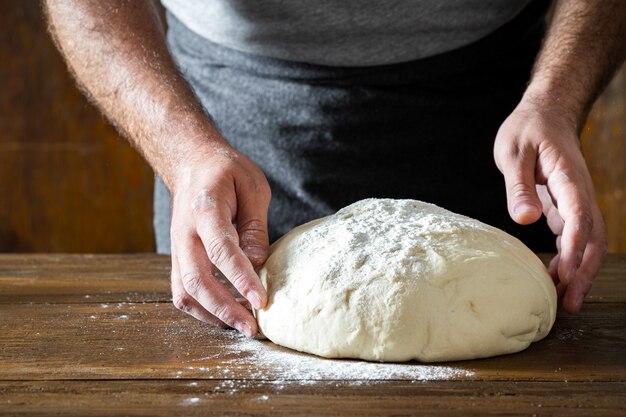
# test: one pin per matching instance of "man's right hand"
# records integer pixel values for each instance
(209, 196)
(118, 54)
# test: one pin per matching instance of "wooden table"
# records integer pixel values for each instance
(97, 335)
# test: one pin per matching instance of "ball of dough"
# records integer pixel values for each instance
(397, 280)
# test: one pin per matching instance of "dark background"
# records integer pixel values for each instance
(69, 183)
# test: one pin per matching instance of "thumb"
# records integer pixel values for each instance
(521, 192)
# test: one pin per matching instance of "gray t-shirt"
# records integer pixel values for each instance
(344, 32)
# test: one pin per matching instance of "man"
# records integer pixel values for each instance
(335, 101)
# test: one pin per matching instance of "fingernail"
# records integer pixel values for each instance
(245, 329)
(523, 207)
(255, 300)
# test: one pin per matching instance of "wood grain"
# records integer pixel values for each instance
(108, 341)
(46, 278)
(111, 354)
(320, 398)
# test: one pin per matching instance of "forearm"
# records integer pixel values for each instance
(583, 47)
(116, 49)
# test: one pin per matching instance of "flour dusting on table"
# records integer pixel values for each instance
(271, 360)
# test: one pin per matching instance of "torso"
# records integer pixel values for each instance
(344, 32)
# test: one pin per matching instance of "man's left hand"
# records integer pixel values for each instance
(538, 151)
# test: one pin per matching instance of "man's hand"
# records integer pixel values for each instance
(116, 50)
(538, 152)
(208, 198)
(537, 147)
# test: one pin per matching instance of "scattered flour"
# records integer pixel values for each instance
(191, 401)
(280, 365)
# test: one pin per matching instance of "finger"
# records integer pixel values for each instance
(555, 222)
(187, 304)
(518, 168)
(574, 207)
(197, 274)
(553, 269)
(560, 287)
(244, 302)
(560, 293)
(581, 284)
(252, 224)
(221, 244)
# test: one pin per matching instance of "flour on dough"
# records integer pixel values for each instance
(397, 280)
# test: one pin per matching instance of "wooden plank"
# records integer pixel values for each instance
(142, 278)
(320, 398)
(154, 340)
(84, 278)
(610, 284)
(104, 355)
